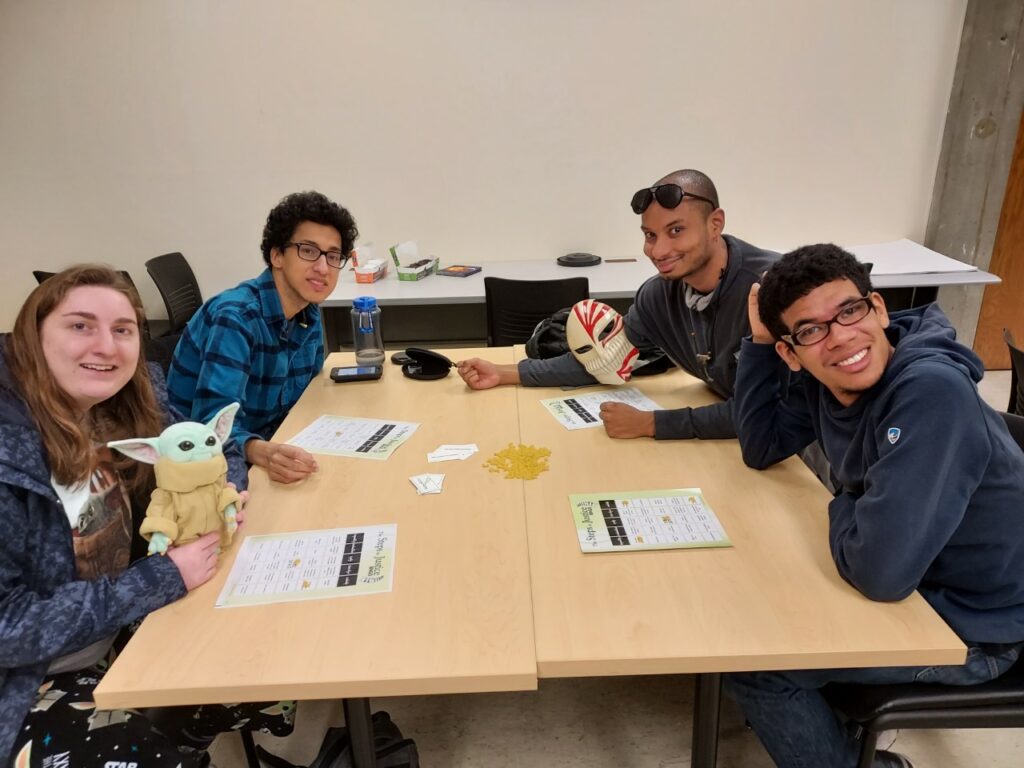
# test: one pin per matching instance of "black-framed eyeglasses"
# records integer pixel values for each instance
(667, 195)
(308, 252)
(851, 314)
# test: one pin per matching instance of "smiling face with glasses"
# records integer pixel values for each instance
(838, 336)
(813, 333)
(302, 277)
(310, 252)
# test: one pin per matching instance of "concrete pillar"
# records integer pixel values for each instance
(977, 146)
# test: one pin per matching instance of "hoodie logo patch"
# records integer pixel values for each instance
(893, 434)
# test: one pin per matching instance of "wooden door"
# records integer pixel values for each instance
(1003, 304)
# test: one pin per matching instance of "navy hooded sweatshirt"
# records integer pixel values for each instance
(932, 484)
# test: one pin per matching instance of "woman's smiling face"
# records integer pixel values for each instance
(91, 344)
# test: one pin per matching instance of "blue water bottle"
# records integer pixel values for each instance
(366, 336)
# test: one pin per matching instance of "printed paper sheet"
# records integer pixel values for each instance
(311, 565)
(350, 436)
(583, 411)
(673, 519)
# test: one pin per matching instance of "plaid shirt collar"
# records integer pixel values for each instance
(270, 305)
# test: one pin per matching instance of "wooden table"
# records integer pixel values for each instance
(491, 566)
(772, 601)
(458, 619)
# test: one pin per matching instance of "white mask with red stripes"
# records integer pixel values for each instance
(598, 341)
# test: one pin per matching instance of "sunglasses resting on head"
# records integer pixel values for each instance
(667, 195)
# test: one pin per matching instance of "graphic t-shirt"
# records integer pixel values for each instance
(101, 520)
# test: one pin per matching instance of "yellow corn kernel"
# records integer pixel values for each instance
(519, 462)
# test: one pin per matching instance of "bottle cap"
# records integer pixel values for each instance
(364, 303)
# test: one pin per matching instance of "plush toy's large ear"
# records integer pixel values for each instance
(221, 423)
(139, 448)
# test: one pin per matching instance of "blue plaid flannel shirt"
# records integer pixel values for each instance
(240, 348)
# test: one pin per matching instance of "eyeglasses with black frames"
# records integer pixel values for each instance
(667, 195)
(809, 335)
(308, 252)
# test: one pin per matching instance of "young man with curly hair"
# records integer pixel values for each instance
(930, 481)
(261, 343)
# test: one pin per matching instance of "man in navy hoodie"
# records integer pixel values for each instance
(931, 494)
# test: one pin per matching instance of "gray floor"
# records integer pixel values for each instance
(623, 722)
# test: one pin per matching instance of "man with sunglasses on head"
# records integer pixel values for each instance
(928, 500)
(261, 343)
(695, 311)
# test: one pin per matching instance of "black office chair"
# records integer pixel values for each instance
(178, 288)
(514, 307)
(161, 350)
(1016, 404)
(877, 708)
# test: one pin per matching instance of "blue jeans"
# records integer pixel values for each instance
(800, 730)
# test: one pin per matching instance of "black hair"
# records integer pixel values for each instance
(694, 182)
(298, 207)
(798, 273)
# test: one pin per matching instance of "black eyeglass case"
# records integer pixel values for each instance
(426, 365)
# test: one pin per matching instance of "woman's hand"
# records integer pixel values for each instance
(196, 560)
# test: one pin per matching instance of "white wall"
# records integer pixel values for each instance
(484, 129)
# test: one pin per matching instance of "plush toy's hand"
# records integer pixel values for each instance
(230, 519)
(158, 544)
(243, 499)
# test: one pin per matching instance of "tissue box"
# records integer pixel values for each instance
(415, 268)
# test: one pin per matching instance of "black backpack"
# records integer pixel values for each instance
(548, 338)
(391, 749)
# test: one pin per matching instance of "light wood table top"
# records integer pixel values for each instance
(478, 581)
(772, 601)
(459, 617)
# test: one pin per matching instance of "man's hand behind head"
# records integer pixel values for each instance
(758, 330)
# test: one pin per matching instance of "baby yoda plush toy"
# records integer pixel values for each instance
(191, 496)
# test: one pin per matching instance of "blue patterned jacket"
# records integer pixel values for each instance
(45, 612)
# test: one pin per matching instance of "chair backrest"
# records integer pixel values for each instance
(514, 307)
(1016, 375)
(1015, 424)
(178, 288)
(161, 350)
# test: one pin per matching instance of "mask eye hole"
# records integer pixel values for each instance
(211, 441)
(584, 349)
(186, 445)
(605, 331)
